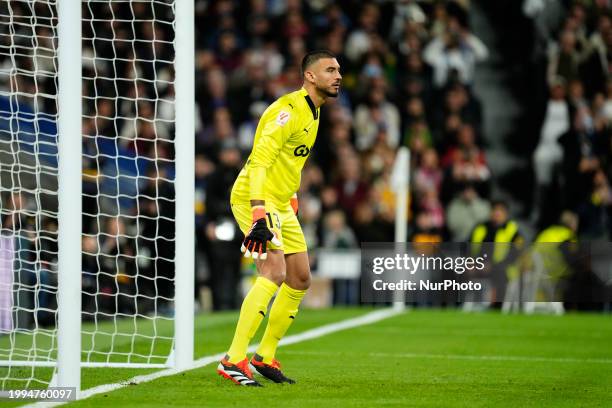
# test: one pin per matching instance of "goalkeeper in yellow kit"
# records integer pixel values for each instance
(264, 202)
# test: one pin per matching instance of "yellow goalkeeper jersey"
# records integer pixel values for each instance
(283, 140)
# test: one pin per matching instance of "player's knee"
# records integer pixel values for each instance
(298, 271)
(299, 281)
(303, 283)
(277, 276)
(273, 268)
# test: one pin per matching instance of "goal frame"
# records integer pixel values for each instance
(69, 52)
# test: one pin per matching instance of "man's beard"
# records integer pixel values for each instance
(328, 93)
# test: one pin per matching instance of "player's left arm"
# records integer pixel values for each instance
(294, 203)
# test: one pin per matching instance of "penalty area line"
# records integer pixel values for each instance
(317, 332)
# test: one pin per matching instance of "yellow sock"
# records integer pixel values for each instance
(252, 312)
(283, 312)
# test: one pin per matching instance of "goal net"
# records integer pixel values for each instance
(129, 199)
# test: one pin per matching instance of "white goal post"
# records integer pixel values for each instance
(70, 190)
(136, 76)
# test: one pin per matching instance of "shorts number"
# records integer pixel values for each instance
(270, 223)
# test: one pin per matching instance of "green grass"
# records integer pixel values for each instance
(213, 332)
(426, 358)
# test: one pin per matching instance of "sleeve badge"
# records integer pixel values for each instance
(282, 118)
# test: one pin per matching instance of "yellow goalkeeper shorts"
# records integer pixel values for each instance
(281, 220)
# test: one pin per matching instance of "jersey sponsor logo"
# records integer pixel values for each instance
(301, 151)
(282, 118)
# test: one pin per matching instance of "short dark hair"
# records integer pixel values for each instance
(313, 56)
(500, 203)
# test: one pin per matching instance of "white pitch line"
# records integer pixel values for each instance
(502, 358)
(321, 331)
(469, 357)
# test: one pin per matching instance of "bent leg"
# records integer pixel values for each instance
(255, 304)
(285, 306)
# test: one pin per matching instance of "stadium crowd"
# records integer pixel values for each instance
(573, 158)
(128, 170)
(408, 69)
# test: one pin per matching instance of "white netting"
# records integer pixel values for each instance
(28, 178)
(128, 185)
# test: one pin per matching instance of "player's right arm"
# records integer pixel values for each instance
(276, 129)
(257, 238)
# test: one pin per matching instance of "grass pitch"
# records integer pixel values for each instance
(428, 358)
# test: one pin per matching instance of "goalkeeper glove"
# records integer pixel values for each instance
(294, 204)
(257, 238)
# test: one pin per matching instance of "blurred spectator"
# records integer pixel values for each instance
(247, 129)
(336, 233)
(548, 153)
(156, 237)
(564, 59)
(382, 196)
(465, 211)
(407, 16)
(228, 54)
(222, 232)
(418, 138)
(215, 95)
(249, 84)
(210, 139)
(439, 19)
(203, 168)
(499, 241)
(595, 211)
(580, 161)
(575, 94)
(90, 276)
(294, 25)
(607, 107)
(328, 151)
(563, 231)
(116, 281)
(467, 163)
(597, 61)
(454, 54)
(414, 111)
(359, 40)
(310, 203)
(377, 118)
(431, 206)
(369, 228)
(425, 230)
(428, 175)
(458, 104)
(350, 188)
